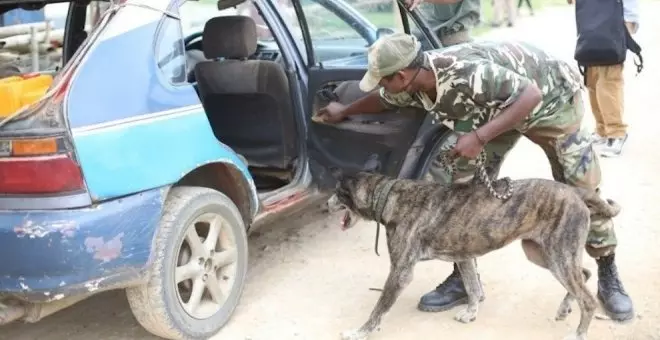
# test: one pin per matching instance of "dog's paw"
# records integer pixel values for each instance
(563, 312)
(353, 335)
(466, 316)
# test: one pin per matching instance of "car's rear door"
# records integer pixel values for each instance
(337, 37)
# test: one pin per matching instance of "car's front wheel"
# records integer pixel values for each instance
(199, 268)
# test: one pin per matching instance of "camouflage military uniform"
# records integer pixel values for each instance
(476, 80)
(452, 22)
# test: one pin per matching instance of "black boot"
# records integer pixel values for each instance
(446, 295)
(613, 297)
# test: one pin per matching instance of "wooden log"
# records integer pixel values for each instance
(42, 48)
(24, 39)
(24, 61)
(19, 29)
(6, 57)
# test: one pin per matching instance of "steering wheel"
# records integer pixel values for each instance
(191, 37)
(187, 40)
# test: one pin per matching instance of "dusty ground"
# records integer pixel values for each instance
(312, 281)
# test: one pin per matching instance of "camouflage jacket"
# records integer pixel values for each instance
(446, 19)
(475, 81)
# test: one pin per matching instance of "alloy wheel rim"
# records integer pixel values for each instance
(206, 266)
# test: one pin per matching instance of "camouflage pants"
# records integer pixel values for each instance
(572, 159)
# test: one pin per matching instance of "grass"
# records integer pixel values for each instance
(380, 19)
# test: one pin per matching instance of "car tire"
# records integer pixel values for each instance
(159, 304)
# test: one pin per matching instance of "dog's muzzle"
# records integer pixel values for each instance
(348, 219)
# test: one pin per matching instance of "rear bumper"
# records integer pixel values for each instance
(49, 254)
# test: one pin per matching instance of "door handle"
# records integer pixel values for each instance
(327, 95)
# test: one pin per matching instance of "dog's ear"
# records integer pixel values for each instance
(337, 173)
(372, 165)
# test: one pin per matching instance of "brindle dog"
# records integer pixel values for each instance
(461, 222)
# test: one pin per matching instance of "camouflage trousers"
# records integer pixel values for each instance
(568, 148)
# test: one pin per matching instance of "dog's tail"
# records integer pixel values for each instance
(598, 206)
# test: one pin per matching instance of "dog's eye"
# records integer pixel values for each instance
(343, 195)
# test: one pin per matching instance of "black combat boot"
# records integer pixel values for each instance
(446, 295)
(613, 297)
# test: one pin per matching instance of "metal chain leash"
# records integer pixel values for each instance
(450, 166)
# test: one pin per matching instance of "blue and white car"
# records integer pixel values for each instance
(175, 128)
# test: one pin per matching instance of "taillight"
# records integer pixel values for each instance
(37, 166)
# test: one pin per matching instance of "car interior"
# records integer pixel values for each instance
(244, 89)
(247, 100)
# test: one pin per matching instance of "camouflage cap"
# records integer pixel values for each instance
(388, 55)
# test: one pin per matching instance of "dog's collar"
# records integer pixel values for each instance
(379, 198)
(381, 192)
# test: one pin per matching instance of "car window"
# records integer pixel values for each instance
(337, 34)
(325, 25)
(342, 30)
(170, 50)
(417, 32)
(170, 56)
(194, 15)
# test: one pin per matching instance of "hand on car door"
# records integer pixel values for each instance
(332, 113)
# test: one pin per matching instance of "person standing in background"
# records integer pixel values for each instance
(451, 20)
(499, 7)
(605, 85)
(631, 15)
(529, 5)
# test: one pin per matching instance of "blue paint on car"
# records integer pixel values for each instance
(125, 85)
(134, 135)
(53, 252)
(142, 155)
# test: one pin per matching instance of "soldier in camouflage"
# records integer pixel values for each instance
(451, 20)
(491, 94)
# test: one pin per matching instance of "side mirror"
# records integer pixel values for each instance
(381, 32)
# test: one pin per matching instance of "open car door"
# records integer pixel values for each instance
(377, 142)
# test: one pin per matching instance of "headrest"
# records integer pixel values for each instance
(230, 37)
(226, 4)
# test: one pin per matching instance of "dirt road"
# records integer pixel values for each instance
(312, 281)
